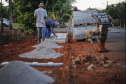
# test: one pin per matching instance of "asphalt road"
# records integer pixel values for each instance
(116, 44)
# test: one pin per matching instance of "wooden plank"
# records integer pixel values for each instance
(114, 31)
(68, 30)
(71, 22)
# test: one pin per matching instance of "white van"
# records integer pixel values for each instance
(5, 22)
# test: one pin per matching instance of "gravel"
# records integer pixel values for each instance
(48, 43)
(43, 50)
(17, 72)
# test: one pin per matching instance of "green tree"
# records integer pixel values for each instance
(24, 11)
(3, 14)
(121, 13)
(117, 11)
(111, 10)
(5, 11)
(62, 11)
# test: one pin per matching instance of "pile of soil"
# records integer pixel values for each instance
(18, 72)
(62, 26)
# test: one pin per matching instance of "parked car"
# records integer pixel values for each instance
(5, 22)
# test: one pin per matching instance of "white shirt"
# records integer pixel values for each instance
(40, 13)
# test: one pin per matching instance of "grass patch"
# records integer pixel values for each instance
(17, 25)
(4, 38)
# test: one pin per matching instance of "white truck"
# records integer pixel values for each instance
(86, 21)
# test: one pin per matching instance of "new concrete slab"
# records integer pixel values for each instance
(43, 50)
(60, 39)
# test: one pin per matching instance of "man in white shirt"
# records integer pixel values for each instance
(40, 15)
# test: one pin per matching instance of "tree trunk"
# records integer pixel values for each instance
(124, 22)
(46, 3)
(1, 18)
(120, 24)
(10, 15)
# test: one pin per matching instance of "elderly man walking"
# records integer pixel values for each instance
(40, 15)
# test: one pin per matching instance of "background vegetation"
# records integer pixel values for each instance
(118, 13)
(58, 10)
(5, 11)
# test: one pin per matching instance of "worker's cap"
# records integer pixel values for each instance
(41, 5)
(74, 8)
(56, 25)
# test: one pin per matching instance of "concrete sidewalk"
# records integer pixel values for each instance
(44, 49)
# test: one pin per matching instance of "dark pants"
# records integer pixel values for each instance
(41, 30)
(48, 29)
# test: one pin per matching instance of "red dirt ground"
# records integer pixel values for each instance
(66, 74)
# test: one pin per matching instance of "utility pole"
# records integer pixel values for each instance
(10, 15)
(1, 18)
(107, 3)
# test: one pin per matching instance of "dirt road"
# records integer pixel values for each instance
(67, 74)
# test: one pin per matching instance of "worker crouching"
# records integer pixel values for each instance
(50, 25)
